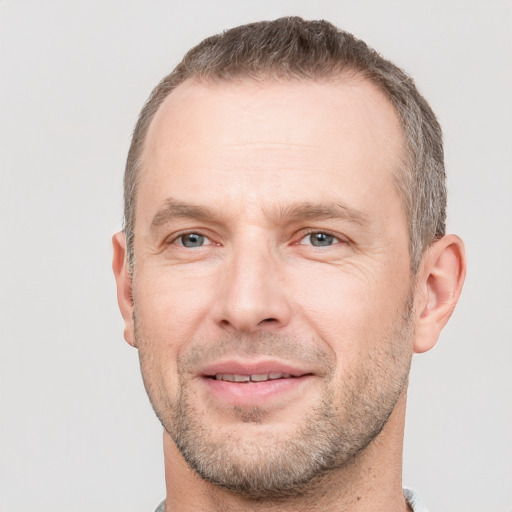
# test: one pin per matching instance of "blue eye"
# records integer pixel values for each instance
(192, 240)
(319, 239)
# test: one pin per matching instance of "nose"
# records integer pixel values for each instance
(253, 294)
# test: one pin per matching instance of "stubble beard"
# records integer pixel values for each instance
(347, 418)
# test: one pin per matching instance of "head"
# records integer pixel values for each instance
(283, 253)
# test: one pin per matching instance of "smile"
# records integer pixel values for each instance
(246, 383)
(261, 377)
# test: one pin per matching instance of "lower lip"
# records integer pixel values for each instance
(255, 393)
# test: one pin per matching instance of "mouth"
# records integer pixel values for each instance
(244, 372)
(247, 384)
(257, 377)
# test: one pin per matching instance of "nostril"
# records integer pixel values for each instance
(269, 320)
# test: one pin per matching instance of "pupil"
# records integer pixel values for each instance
(193, 240)
(321, 239)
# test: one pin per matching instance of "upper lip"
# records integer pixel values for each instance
(238, 367)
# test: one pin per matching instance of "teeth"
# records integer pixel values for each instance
(241, 378)
(260, 377)
(273, 376)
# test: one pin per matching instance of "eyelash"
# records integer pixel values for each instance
(179, 236)
(176, 237)
(339, 238)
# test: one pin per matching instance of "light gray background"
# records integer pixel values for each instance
(76, 430)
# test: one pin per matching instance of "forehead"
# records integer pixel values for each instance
(248, 139)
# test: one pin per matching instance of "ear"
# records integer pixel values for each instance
(124, 286)
(439, 284)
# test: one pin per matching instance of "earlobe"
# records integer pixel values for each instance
(124, 285)
(439, 286)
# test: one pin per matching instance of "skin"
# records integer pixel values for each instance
(253, 168)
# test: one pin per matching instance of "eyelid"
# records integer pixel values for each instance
(172, 239)
(310, 231)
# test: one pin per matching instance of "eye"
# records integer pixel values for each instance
(320, 239)
(192, 240)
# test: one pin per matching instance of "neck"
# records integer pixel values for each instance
(371, 481)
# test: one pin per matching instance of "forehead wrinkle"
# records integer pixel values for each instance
(263, 144)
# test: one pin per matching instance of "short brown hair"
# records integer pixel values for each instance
(293, 48)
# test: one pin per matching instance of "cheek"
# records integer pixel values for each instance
(161, 324)
(171, 304)
(351, 310)
(171, 310)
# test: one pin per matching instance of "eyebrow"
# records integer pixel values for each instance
(174, 209)
(314, 211)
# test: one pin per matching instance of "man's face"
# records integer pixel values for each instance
(272, 288)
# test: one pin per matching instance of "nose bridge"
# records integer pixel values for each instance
(253, 292)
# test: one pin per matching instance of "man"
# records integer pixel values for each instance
(284, 255)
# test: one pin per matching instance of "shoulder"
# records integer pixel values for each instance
(412, 499)
(161, 507)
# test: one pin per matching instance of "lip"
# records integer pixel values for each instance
(251, 394)
(253, 368)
